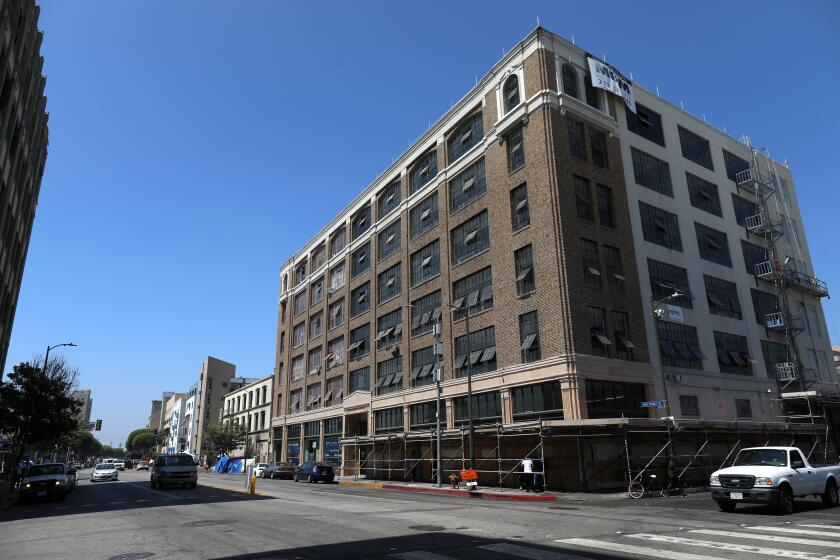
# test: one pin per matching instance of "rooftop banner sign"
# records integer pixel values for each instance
(606, 77)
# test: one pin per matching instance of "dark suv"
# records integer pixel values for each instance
(174, 469)
(314, 472)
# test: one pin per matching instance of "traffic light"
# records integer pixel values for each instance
(98, 425)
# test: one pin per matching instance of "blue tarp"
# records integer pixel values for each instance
(235, 466)
(221, 464)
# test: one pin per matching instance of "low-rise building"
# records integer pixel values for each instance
(250, 406)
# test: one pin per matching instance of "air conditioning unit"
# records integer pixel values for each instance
(437, 328)
(437, 349)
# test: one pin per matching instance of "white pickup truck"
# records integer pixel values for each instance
(773, 476)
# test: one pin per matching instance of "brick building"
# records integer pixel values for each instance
(526, 240)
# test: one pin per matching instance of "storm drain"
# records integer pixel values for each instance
(427, 528)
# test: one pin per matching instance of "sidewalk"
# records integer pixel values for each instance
(429, 488)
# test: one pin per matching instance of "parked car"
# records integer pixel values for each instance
(314, 472)
(259, 468)
(120, 464)
(104, 471)
(773, 476)
(179, 469)
(279, 470)
(45, 480)
(143, 465)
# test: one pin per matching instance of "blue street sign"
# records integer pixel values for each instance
(653, 404)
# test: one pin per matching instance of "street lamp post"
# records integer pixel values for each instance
(655, 313)
(47, 355)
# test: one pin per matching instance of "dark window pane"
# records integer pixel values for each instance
(360, 222)
(733, 354)
(598, 143)
(425, 263)
(515, 150)
(467, 186)
(425, 312)
(713, 245)
(734, 164)
(389, 283)
(388, 200)
(524, 270)
(475, 352)
(388, 240)
(583, 199)
(474, 293)
(423, 171)
(660, 227)
(510, 93)
(470, 238)
(470, 133)
(703, 194)
(529, 337)
(651, 172)
(722, 297)
(520, 215)
(646, 123)
(542, 400)
(611, 399)
(678, 345)
(424, 216)
(577, 139)
(695, 148)
(665, 279)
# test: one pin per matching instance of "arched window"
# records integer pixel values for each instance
(511, 93)
(570, 81)
(593, 96)
(285, 282)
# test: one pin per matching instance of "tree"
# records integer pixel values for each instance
(226, 438)
(141, 440)
(112, 452)
(36, 406)
(81, 442)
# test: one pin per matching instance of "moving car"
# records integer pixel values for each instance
(259, 469)
(120, 464)
(104, 471)
(279, 470)
(773, 476)
(45, 480)
(174, 469)
(314, 472)
(143, 465)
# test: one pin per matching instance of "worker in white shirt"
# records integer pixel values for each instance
(527, 479)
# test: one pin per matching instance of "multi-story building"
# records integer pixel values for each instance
(153, 422)
(189, 417)
(624, 285)
(250, 406)
(23, 149)
(83, 396)
(172, 425)
(211, 388)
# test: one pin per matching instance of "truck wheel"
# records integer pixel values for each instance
(830, 497)
(785, 506)
(728, 507)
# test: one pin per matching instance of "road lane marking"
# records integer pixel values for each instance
(156, 492)
(772, 538)
(734, 547)
(141, 501)
(115, 503)
(88, 505)
(528, 552)
(796, 531)
(818, 526)
(640, 550)
(420, 555)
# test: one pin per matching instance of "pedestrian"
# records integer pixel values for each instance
(527, 479)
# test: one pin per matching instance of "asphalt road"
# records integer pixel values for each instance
(127, 520)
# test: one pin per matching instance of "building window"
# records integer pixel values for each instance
(337, 241)
(388, 240)
(316, 291)
(298, 335)
(389, 420)
(300, 303)
(425, 263)
(389, 376)
(334, 396)
(423, 363)
(473, 293)
(593, 96)
(515, 150)
(469, 185)
(313, 396)
(510, 93)
(703, 194)
(611, 399)
(359, 342)
(389, 330)
(294, 401)
(695, 148)
(360, 260)
(282, 342)
(743, 209)
(624, 347)
(360, 300)
(775, 354)
(678, 345)
(337, 277)
(475, 352)
(423, 171)
(753, 255)
(297, 367)
(660, 226)
(470, 133)
(360, 379)
(336, 311)
(360, 222)
(423, 415)
(314, 358)
(424, 216)
(300, 272)
(529, 337)
(722, 297)
(570, 81)
(614, 268)
(666, 279)
(598, 144)
(524, 270)
(319, 257)
(583, 199)
(713, 245)
(425, 312)
(520, 216)
(486, 409)
(734, 164)
(764, 304)
(598, 331)
(541, 400)
(577, 139)
(732, 353)
(591, 263)
(645, 123)
(606, 214)
(689, 405)
(470, 238)
(388, 200)
(651, 172)
(743, 408)
(389, 283)
(335, 352)
(316, 325)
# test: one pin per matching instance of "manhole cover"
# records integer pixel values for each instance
(205, 523)
(133, 556)
(426, 528)
(562, 507)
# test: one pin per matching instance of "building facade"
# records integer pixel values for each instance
(153, 423)
(172, 424)
(250, 406)
(83, 396)
(189, 418)
(621, 272)
(211, 388)
(23, 149)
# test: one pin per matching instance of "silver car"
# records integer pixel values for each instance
(104, 471)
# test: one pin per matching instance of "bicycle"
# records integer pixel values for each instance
(636, 489)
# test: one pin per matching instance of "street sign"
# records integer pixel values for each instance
(674, 313)
(653, 404)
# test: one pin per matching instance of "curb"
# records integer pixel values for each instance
(455, 492)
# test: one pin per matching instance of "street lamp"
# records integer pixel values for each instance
(47, 356)
(465, 310)
(656, 313)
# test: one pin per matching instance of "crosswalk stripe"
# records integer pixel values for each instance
(640, 550)
(528, 552)
(419, 555)
(735, 547)
(818, 526)
(772, 538)
(796, 531)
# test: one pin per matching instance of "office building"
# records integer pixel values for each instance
(173, 428)
(250, 406)
(211, 388)
(153, 422)
(83, 396)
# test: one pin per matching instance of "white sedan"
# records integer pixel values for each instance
(104, 471)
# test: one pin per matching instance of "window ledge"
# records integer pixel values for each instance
(523, 228)
(429, 279)
(471, 257)
(526, 295)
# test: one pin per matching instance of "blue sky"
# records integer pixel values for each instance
(194, 146)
